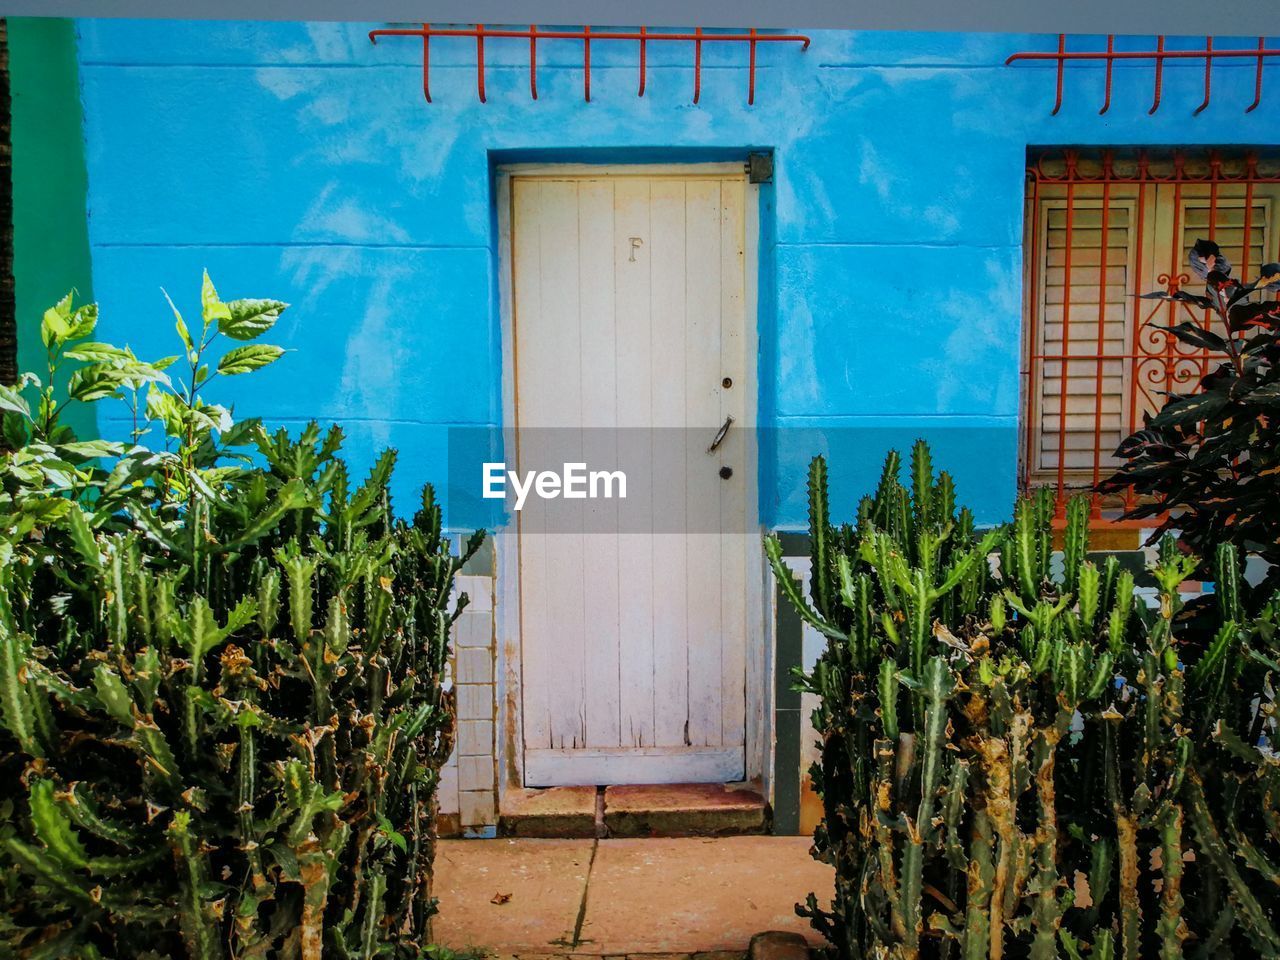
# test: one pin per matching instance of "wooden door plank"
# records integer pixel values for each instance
(531, 391)
(668, 412)
(703, 483)
(733, 546)
(635, 546)
(600, 583)
(556, 349)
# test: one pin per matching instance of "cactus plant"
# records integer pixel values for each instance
(1004, 728)
(222, 691)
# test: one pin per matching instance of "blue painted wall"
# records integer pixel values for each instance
(298, 161)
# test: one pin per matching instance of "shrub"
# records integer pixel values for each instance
(1209, 462)
(998, 733)
(221, 673)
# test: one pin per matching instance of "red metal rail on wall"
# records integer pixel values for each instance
(1158, 56)
(1155, 362)
(642, 37)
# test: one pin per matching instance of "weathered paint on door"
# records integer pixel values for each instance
(628, 312)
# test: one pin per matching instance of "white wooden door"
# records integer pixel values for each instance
(628, 321)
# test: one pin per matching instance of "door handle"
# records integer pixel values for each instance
(720, 434)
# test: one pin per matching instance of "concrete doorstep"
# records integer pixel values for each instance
(623, 897)
(665, 810)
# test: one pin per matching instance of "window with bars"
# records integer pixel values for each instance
(1102, 228)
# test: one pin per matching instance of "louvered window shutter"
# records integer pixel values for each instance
(1096, 357)
(1082, 334)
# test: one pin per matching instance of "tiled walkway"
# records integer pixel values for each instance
(616, 897)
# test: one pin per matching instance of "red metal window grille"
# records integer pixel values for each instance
(1102, 228)
(587, 36)
(1159, 56)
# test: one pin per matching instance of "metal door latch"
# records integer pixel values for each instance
(720, 434)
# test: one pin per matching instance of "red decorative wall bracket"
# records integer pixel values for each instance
(643, 37)
(1158, 56)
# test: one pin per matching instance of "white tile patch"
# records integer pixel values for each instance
(475, 738)
(479, 591)
(467, 786)
(475, 773)
(475, 701)
(447, 795)
(477, 808)
(475, 665)
(473, 629)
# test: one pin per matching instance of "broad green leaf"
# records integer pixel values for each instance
(93, 352)
(155, 529)
(57, 322)
(91, 449)
(11, 399)
(242, 432)
(212, 308)
(166, 408)
(211, 416)
(59, 476)
(248, 358)
(95, 381)
(138, 466)
(135, 374)
(250, 318)
(14, 428)
(83, 321)
(180, 325)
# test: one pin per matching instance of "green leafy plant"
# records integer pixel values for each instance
(1018, 753)
(222, 673)
(1208, 463)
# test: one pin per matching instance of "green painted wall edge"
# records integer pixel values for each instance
(50, 227)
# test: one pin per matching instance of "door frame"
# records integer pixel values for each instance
(509, 733)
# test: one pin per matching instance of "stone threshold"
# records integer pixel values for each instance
(646, 810)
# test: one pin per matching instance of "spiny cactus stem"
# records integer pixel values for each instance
(882, 814)
(1271, 806)
(1130, 906)
(937, 690)
(996, 764)
(1251, 912)
(1050, 902)
(819, 533)
(314, 873)
(953, 816)
(980, 888)
(1075, 542)
(1171, 928)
